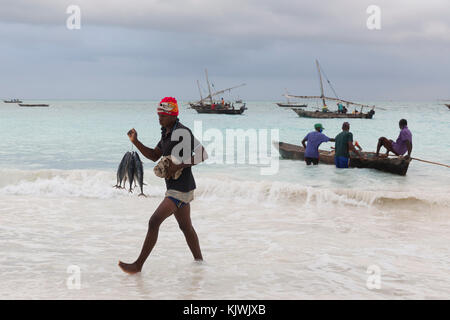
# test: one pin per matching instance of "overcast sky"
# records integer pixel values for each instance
(144, 49)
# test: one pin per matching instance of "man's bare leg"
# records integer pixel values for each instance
(384, 142)
(183, 216)
(164, 210)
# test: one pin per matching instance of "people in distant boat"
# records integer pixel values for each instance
(314, 139)
(223, 102)
(344, 110)
(325, 108)
(355, 111)
(340, 107)
(343, 145)
(402, 145)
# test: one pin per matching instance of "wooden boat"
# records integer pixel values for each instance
(291, 105)
(33, 105)
(208, 105)
(330, 115)
(337, 100)
(12, 101)
(218, 109)
(392, 165)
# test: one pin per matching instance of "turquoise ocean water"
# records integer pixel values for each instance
(303, 232)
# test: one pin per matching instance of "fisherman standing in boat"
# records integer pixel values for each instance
(180, 192)
(399, 147)
(314, 139)
(344, 144)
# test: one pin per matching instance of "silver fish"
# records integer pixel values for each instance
(121, 170)
(138, 172)
(130, 171)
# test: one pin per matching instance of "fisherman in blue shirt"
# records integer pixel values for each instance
(314, 139)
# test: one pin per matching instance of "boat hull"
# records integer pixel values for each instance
(332, 115)
(448, 105)
(392, 165)
(291, 105)
(208, 109)
(33, 105)
(6, 101)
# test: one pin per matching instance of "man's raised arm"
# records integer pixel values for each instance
(149, 153)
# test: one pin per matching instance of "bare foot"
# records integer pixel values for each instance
(130, 268)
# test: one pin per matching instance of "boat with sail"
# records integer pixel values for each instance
(343, 105)
(394, 165)
(209, 105)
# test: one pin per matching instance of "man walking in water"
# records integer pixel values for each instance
(180, 192)
(314, 139)
(344, 144)
(403, 143)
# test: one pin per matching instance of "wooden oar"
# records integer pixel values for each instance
(431, 162)
(436, 163)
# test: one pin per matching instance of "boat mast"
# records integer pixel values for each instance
(209, 88)
(321, 84)
(200, 91)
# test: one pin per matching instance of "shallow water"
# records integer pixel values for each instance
(300, 233)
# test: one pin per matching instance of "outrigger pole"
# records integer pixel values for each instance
(219, 92)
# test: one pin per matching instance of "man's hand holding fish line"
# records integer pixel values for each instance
(180, 192)
(152, 154)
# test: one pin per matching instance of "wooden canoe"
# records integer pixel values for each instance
(33, 105)
(391, 165)
(330, 115)
(291, 105)
(206, 108)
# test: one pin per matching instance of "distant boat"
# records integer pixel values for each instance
(208, 105)
(33, 105)
(448, 105)
(289, 104)
(325, 113)
(392, 165)
(332, 115)
(12, 101)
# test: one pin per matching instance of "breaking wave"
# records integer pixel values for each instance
(98, 184)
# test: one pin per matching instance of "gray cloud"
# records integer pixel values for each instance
(139, 49)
